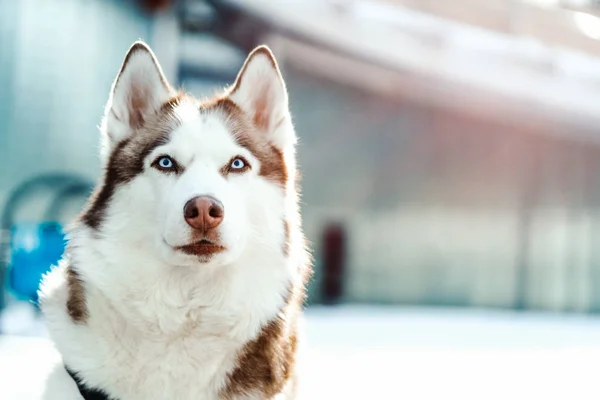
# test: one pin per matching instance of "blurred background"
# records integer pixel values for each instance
(450, 151)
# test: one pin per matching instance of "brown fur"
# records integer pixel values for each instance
(266, 365)
(261, 114)
(127, 160)
(76, 304)
(251, 137)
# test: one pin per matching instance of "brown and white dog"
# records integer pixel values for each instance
(184, 277)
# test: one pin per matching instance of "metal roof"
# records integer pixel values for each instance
(389, 47)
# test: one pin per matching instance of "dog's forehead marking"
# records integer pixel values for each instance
(225, 128)
(203, 134)
(253, 138)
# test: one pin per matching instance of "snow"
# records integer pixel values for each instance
(379, 353)
(360, 352)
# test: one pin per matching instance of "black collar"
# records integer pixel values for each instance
(87, 392)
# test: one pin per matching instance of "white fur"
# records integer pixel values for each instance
(161, 324)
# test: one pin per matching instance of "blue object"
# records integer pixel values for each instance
(35, 248)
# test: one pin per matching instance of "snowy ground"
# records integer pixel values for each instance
(368, 353)
(400, 353)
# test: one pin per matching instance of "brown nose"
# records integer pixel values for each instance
(203, 213)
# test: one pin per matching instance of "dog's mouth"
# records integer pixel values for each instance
(202, 248)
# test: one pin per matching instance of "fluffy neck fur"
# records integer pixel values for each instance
(174, 332)
(167, 300)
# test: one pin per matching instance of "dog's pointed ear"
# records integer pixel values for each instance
(139, 91)
(260, 91)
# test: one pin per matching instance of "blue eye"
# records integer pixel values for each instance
(238, 163)
(165, 162)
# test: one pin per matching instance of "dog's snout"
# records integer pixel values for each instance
(203, 213)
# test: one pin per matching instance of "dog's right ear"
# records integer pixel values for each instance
(139, 91)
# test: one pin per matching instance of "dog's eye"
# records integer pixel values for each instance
(165, 163)
(238, 164)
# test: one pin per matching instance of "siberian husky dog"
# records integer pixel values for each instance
(185, 275)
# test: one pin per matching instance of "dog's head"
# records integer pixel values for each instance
(195, 181)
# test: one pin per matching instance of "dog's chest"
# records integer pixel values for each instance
(165, 343)
(189, 365)
(185, 352)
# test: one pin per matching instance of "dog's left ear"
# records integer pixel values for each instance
(259, 90)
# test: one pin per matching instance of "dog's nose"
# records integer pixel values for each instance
(203, 213)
